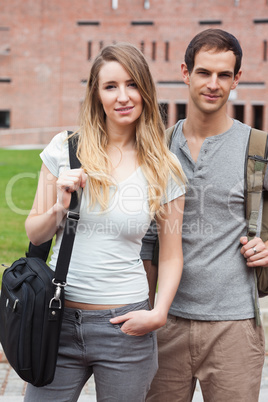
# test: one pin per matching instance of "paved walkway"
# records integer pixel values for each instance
(12, 388)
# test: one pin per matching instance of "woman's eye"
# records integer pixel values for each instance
(133, 85)
(110, 86)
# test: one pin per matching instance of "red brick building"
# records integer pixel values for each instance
(47, 46)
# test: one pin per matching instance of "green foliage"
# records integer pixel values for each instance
(19, 170)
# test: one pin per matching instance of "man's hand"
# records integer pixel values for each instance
(255, 252)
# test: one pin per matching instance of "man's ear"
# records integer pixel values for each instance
(236, 79)
(185, 74)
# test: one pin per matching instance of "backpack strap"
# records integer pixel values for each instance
(168, 134)
(256, 164)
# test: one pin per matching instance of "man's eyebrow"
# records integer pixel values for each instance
(203, 69)
(229, 72)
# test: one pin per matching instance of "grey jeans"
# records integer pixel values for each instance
(123, 365)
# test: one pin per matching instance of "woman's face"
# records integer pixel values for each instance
(119, 95)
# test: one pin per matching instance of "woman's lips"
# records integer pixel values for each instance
(124, 110)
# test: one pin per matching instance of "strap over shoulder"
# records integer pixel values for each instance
(169, 132)
(72, 141)
(42, 251)
(256, 164)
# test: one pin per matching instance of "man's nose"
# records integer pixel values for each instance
(213, 82)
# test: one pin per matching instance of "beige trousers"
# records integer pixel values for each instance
(225, 356)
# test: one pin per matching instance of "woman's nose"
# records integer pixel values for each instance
(123, 95)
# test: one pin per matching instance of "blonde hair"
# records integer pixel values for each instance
(153, 155)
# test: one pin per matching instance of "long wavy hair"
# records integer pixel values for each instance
(153, 155)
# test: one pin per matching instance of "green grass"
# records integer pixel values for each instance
(19, 176)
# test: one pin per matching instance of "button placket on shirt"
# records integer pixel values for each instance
(201, 162)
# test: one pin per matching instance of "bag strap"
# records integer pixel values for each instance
(41, 251)
(256, 164)
(71, 223)
(65, 251)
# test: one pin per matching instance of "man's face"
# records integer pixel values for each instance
(211, 80)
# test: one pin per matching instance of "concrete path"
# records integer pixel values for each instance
(12, 388)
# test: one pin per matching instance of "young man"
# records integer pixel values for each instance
(211, 334)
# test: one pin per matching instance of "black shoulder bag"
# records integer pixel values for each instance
(32, 303)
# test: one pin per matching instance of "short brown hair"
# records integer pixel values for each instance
(213, 39)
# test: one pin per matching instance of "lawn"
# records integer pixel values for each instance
(19, 175)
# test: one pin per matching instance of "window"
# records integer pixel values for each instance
(94, 23)
(163, 108)
(261, 21)
(4, 118)
(146, 4)
(142, 23)
(167, 51)
(114, 4)
(101, 44)
(265, 50)
(142, 46)
(168, 83)
(252, 83)
(239, 113)
(257, 116)
(4, 41)
(5, 50)
(154, 51)
(5, 80)
(210, 22)
(180, 111)
(89, 50)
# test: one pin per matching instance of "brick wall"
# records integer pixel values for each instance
(45, 45)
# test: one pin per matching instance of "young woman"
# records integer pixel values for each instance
(129, 177)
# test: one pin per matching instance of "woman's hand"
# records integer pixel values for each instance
(140, 322)
(68, 182)
(52, 199)
(170, 269)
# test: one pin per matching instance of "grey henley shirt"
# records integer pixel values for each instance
(216, 284)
